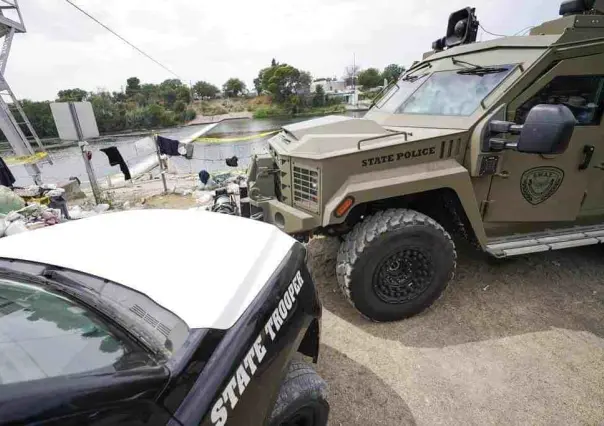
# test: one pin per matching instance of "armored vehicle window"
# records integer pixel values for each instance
(454, 93)
(44, 334)
(583, 95)
(401, 91)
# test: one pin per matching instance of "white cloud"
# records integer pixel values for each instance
(220, 39)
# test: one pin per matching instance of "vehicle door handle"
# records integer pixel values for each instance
(588, 152)
(599, 166)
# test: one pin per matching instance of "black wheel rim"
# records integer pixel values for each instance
(403, 275)
(302, 417)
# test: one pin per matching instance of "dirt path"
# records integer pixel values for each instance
(518, 342)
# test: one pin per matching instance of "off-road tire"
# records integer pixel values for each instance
(303, 392)
(378, 238)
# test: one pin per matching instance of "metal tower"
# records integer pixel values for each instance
(13, 122)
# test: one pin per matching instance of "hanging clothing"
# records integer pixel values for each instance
(6, 176)
(115, 158)
(168, 146)
(204, 177)
(233, 161)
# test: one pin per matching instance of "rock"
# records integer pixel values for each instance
(16, 227)
(56, 192)
(203, 197)
(75, 212)
(182, 191)
(126, 205)
(48, 186)
(100, 208)
(3, 226)
(208, 186)
(13, 216)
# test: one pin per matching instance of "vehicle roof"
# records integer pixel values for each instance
(518, 42)
(204, 267)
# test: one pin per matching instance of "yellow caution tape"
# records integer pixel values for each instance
(239, 139)
(26, 159)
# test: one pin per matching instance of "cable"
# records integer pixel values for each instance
(493, 34)
(124, 40)
(523, 30)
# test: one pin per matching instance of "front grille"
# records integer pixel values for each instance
(306, 188)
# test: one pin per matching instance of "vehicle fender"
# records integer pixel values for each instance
(396, 182)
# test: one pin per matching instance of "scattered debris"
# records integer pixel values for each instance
(15, 227)
(101, 208)
(10, 201)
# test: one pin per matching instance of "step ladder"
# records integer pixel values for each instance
(545, 241)
(14, 123)
(14, 110)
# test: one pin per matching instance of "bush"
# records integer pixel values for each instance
(270, 111)
(188, 115)
(180, 106)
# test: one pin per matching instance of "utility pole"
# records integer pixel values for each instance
(354, 72)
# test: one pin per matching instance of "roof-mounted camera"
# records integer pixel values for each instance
(462, 29)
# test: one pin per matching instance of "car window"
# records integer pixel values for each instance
(45, 334)
(453, 93)
(583, 95)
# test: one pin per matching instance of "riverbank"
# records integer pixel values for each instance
(278, 111)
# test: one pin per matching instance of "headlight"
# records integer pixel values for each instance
(306, 187)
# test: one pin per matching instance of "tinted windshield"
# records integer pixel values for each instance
(399, 92)
(143, 317)
(45, 334)
(452, 93)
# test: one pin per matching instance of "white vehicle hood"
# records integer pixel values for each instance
(204, 267)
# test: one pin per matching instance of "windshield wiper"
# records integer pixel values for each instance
(413, 78)
(477, 69)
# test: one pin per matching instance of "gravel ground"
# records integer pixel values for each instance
(519, 341)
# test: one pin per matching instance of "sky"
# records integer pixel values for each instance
(217, 40)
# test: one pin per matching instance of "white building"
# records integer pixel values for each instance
(330, 86)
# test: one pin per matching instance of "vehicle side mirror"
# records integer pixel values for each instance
(547, 129)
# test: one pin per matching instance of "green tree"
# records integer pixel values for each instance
(233, 87)
(72, 95)
(370, 78)
(304, 82)
(179, 106)
(284, 80)
(392, 72)
(172, 90)
(203, 89)
(110, 116)
(41, 119)
(133, 86)
(319, 97)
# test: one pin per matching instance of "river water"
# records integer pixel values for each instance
(68, 161)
